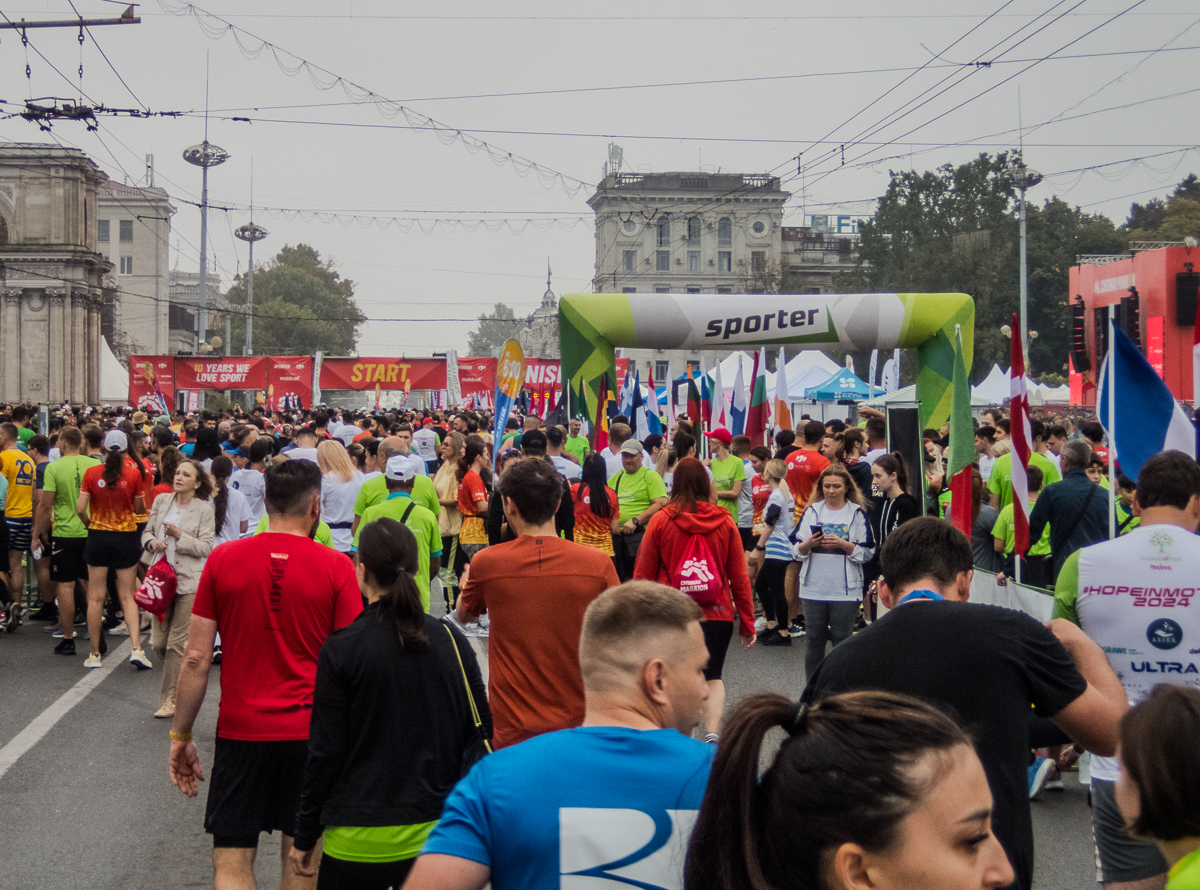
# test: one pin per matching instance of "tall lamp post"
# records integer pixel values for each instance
(204, 155)
(250, 233)
(1024, 178)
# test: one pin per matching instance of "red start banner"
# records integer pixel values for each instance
(542, 374)
(226, 372)
(289, 382)
(476, 375)
(390, 373)
(148, 376)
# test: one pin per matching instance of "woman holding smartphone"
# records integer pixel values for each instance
(833, 540)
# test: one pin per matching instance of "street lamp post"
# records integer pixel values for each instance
(204, 155)
(1024, 178)
(250, 233)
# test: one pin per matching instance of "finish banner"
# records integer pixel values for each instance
(476, 375)
(289, 382)
(151, 376)
(226, 372)
(389, 373)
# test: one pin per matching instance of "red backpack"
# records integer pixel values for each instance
(698, 574)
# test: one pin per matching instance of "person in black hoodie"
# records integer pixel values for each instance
(393, 725)
(889, 477)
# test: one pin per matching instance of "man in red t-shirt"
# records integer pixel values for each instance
(274, 598)
(804, 468)
(535, 590)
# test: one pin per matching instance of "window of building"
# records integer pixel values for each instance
(126, 265)
(758, 260)
(662, 370)
(693, 225)
(664, 261)
(629, 225)
(724, 260)
(759, 227)
(664, 230)
(662, 290)
(725, 232)
(628, 260)
(101, 230)
(693, 290)
(629, 290)
(724, 290)
(127, 230)
(693, 261)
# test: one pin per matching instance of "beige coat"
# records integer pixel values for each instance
(197, 528)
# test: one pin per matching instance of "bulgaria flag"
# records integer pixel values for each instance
(962, 443)
(1022, 435)
(783, 416)
(756, 417)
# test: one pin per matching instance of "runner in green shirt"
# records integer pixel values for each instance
(576, 444)
(374, 491)
(638, 489)
(1004, 538)
(399, 505)
(729, 472)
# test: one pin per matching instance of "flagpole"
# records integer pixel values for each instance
(1112, 419)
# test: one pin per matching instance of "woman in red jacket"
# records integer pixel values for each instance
(668, 535)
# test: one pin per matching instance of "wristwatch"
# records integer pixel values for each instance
(760, 547)
(637, 521)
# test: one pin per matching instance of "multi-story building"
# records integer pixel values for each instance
(812, 254)
(184, 307)
(691, 232)
(56, 282)
(134, 233)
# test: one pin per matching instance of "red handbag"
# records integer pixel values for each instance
(158, 589)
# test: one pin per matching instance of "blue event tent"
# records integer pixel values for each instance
(843, 386)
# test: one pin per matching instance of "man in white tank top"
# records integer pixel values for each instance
(1138, 597)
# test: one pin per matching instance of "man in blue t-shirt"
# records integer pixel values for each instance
(614, 799)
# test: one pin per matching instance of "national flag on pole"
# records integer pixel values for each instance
(669, 387)
(737, 409)
(1196, 370)
(705, 402)
(1022, 436)
(962, 442)
(759, 411)
(1147, 417)
(653, 419)
(558, 415)
(579, 408)
(600, 425)
(783, 415)
(625, 405)
(639, 420)
(720, 409)
(693, 401)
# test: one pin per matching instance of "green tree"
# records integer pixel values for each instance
(1175, 219)
(502, 324)
(301, 305)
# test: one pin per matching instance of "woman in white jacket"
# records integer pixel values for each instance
(833, 540)
(180, 530)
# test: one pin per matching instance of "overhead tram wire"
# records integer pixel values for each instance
(993, 87)
(104, 55)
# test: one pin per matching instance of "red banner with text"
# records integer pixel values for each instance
(390, 373)
(476, 375)
(145, 371)
(289, 382)
(224, 372)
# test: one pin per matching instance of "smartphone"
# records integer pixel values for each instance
(816, 530)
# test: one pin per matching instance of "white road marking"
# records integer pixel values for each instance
(45, 721)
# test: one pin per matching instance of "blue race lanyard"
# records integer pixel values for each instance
(920, 595)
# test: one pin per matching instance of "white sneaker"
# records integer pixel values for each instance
(138, 659)
(760, 623)
(119, 630)
(93, 661)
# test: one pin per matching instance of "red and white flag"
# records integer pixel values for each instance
(1022, 435)
(1196, 362)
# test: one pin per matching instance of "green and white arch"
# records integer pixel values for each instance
(592, 325)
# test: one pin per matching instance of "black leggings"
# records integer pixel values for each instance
(338, 874)
(772, 591)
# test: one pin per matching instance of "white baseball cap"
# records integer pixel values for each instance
(115, 440)
(400, 468)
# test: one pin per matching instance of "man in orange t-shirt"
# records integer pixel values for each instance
(804, 468)
(535, 590)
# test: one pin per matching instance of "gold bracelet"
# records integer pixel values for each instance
(180, 736)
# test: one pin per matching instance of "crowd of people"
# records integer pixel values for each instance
(309, 549)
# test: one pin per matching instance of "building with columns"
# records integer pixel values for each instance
(56, 284)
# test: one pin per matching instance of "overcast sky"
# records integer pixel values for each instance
(894, 87)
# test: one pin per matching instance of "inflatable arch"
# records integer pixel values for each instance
(591, 325)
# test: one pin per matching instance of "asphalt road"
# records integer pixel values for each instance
(88, 802)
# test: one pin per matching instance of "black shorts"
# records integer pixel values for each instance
(254, 787)
(717, 636)
(67, 561)
(113, 550)
(749, 538)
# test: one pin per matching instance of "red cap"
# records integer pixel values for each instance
(722, 435)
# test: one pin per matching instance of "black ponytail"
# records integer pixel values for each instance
(388, 552)
(114, 463)
(222, 469)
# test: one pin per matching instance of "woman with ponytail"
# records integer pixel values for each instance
(231, 509)
(869, 789)
(472, 498)
(392, 718)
